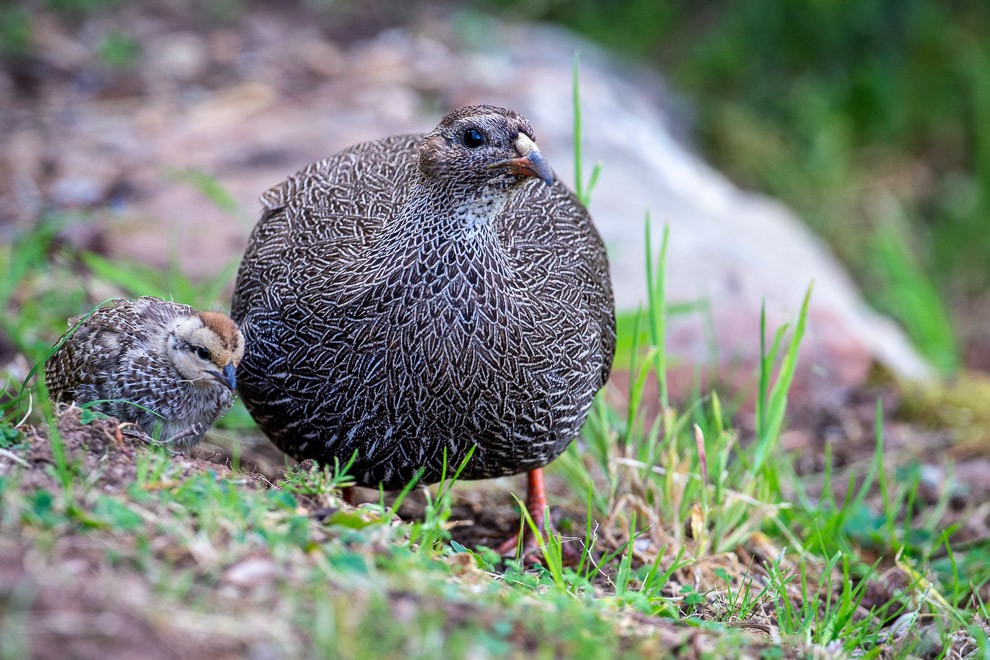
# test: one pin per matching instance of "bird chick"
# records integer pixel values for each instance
(161, 365)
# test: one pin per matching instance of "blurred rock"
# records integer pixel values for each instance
(84, 236)
(69, 192)
(322, 57)
(274, 94)
(181, 56)
(250, 572)
(59, 48)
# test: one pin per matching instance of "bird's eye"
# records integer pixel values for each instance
(203, 353)
(473, 138)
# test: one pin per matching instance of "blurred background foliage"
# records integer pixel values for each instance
(870, 117)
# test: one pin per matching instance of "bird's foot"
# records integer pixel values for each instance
(531, 550)
(184, 440)
(510, 546)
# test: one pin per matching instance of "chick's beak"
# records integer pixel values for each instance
(228, 374)
(530, 162)
(227, 377)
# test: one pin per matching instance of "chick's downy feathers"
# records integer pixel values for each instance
(159, 364)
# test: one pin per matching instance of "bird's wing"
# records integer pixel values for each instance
(89, 350)
(341, 201)
(550, 231)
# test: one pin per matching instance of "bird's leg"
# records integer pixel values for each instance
(536, 505)
(185, 439)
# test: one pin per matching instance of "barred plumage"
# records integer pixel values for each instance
(159, 364)
(422, 294)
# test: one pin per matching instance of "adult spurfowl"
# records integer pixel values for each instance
(415, 296)
(163, 366)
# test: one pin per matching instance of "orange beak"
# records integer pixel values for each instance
(530, 162)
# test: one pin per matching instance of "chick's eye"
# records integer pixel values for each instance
(473, 138)
(202, 353)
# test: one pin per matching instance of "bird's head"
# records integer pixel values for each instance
(483, 145)
(206, 348)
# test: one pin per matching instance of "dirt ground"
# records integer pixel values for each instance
(79, 608)
(485, 512)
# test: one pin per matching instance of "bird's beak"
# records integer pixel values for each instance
(227, 377)
(530, 162)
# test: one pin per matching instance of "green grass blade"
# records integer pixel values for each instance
(772, 418)
(656, 308)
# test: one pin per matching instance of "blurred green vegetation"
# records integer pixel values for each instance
(119, 50)
(17, 19)
(838, 107)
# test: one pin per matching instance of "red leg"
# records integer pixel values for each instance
(536, 505)
(536, 496)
